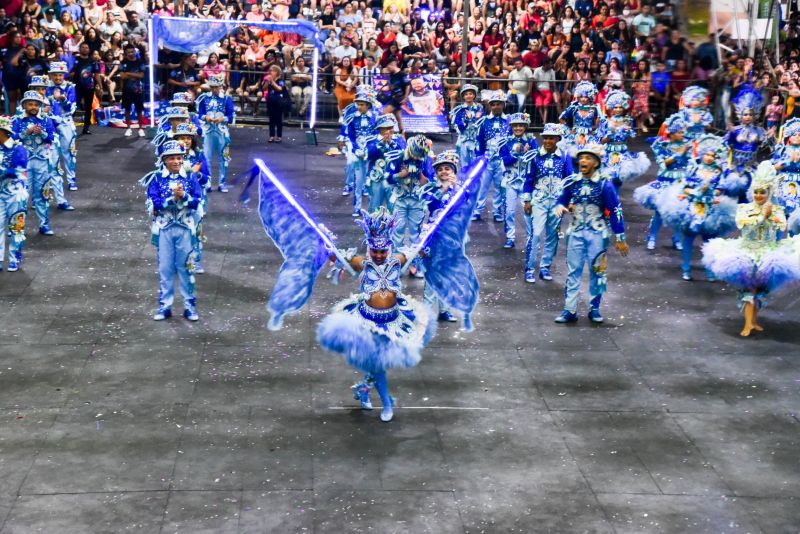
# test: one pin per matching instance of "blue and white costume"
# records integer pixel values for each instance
(516, 153)
(375, 339)
(698, 205)
(745, 139)
(620, 164)
(62, 106)
(543, 187)
(13, 196)
(215, 110)
(184, 100)
(465, 118)
(174, 229)
(194, 162)
(381, 151)
(786, 160)
(698, 119)
(407, 177)
(672, 155)
(492, 129)
(38, 145)
(173, 116)
(363, 94)
(358, 129)
(758, 262)
(588, 199)
(581, 116)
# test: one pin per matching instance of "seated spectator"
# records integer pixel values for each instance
(300, 78)
(134, 31)
(185, 78)
(249, 89)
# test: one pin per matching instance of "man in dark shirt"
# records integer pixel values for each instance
(86, 76)
(250, 86)
(398, 90)
(132, 75)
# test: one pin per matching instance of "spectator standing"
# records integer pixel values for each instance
(275, 94)
(346, 82)
(519, 82)
(86, 76)
(544, 78)
(132, 71)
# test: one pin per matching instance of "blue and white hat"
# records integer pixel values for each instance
(675, 123)
(468, 87)
(32, 96)
(7, 124)
(497, 96)
(386, 121)
(616, 98)
(181, 99)
(790, 127)
(58, 67)
(694, 94)
(174, 112)
(417, 147)
(172, 148)
(593, 149)
(554, 129)
(585, 88)
(216, 80)
(447, 157)
(711, 143)
(38, 81)
(378, 227)
(186, 128)
(519, 118)
(362, 95)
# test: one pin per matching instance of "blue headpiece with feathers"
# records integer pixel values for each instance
(378, 226)
(748, 101)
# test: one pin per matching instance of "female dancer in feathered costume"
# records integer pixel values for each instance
(379, 328)
(694, 102)
(619, 163)
(672, 156)
(746, 138)
(787, 162)
(758, 262)
(582, 116)
(697, 206)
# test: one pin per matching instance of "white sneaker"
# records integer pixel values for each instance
(387, 414)
(141, 132)
(128, 132)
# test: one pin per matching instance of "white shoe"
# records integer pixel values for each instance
(141, 132)
(128, 132)
(387, 414)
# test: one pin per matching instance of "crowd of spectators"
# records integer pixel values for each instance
(534, 51)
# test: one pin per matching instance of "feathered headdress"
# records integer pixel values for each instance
(711, 143)
(378, 228)
(417, 147)
(693, 95)
(790, 127)
(616, 98)
(765, 177)
(748, 100)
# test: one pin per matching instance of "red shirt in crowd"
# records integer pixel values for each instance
(491, 40)
(385, 39)
(533, 59)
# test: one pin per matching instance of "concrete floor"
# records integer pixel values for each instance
(661, 420)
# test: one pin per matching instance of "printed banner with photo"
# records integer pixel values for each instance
(424, 111)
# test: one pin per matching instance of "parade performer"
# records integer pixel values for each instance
(464, 118)
(379, 328)
(61, 94)
(358, 129)
(184, 100)
(215, 110)
(581, 116)
(40, 84)
(168, 123)
(757, 262)
(194, 162)
(37, 134)
(366, 96)
(786, 159)
(619, 163)
(516, 152)
(698, 205)
(746, 138)
(13, 195)
(694, 106)
(588, 196)
(407, 177)
(549, 169)
(672, 155)
(492, 129)
(173, 196)
(381, 151)
(440, 193)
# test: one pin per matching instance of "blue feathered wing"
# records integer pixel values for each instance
(448, 271)
(303, 252)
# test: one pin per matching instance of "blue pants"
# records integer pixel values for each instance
(360, 180)
(13, 205)
(66, 150)
(492, 174)
(379, 195)
(655, 227)
(215, 144)
(466, 152)
(512, 201)
(409, 213)
(545, 228)
(39, 182)
(585, 246)
(175, 245)
(349, 175)
(686, 254)
(56, 180)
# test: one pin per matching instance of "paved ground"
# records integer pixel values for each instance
(662, 420)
